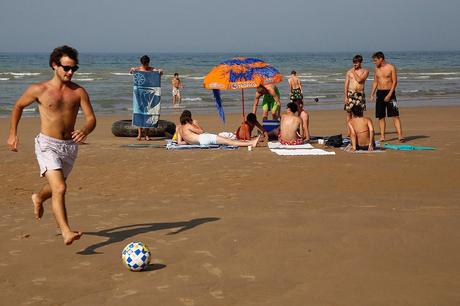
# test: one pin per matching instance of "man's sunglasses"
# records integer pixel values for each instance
(67, 68)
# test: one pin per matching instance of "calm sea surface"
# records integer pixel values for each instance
(425, 78)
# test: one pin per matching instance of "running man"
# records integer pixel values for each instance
(271, 101)
(295, 87)
(176, 87)
(385, 81)
(56, 147)
(353, 93)
(145, 66)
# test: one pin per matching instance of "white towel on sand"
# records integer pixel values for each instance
(278, 145)
(302, 152)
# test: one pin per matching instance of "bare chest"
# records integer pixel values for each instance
(54, 101)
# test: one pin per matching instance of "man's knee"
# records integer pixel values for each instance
(59, 188)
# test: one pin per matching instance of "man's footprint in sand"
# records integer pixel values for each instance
(125, 293)
(117, 277)
(212, 270)
(217, 294)
(15, 252)
(204, 252)
(39, 281)
(163, 288)
(187, 301)
(248, 277)
(185, 278)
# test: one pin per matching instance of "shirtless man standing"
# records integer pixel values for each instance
(145, 61)
(271, 101)
(295, 87)
(188, 133)
(56, 147)
(291, 128)
(385, 81)
(353, 93)
(176, 87)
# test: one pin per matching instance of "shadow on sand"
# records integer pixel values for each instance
(118, 234)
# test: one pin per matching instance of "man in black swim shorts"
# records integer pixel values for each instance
(385, 81)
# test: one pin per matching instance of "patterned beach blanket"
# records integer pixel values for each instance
(172, 145)
(146, 98)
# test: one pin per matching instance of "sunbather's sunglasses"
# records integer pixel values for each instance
(67, 68)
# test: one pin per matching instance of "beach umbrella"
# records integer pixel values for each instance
(238, 74)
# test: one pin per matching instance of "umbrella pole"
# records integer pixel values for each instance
(242, 98)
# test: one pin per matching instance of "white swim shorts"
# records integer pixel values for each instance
(53, 154)
(175, 91)
(206, 139)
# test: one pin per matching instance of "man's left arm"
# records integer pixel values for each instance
(394, 80)
(80, 135)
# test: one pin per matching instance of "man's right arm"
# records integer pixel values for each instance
(256, 103)
(29, 97)
(374, 84)
(345, 88)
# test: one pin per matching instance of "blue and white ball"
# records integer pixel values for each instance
(136, 256)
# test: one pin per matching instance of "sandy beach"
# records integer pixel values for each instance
(240, 227)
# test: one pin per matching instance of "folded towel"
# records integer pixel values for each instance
(146, 98)
(407, 147)
(302, 152)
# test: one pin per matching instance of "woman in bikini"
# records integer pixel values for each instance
(361, 130)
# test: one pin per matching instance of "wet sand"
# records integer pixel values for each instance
(239, 227)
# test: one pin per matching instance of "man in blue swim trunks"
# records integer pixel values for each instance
(271, 101)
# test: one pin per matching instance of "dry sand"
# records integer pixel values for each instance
(240, 227)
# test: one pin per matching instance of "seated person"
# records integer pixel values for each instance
(305, 119)
(270, 101)
(188, 133)
(361, 130)
(291, 127)
(186, 112)
(245, 130)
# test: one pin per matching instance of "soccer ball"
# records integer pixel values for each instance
(136, 256)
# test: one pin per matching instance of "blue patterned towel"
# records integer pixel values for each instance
(146, 98)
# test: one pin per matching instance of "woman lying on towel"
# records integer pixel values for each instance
(291, 129)
(361, 130)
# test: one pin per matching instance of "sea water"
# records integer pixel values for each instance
(424, 78)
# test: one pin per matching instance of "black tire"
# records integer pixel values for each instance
(123, 128)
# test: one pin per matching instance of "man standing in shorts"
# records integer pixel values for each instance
(353, 93)
(59, 100)
(271, 101)
(176, 87)
(385, 81)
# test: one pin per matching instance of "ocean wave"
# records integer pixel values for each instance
(422, 77)
(313, 97)
(4, 79)
(84, 79)
(340, 80)
(431, 73)
(193, 77)
(121, 73)
(192, 99)
(410, 91)
(309, 80)
(453, 78)
(84, 73)
(20, 74)
(30, 110)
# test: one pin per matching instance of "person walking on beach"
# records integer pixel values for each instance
(176, 87)
(271, 101)
(353, 93)
(145, 66)
(188, 133)
(59, 100)
(385, 81)
(291, 129)
(295, 87)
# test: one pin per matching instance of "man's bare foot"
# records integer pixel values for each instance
(147, 137)
(382, 139)
(70, 237)
(139, 138)
(38, 206)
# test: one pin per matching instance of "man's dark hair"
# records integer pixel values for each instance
(145, 60)
(251, 117)
(357, 58)
(261, 89)
(176, 74)
(184, 119)
(59, 52)
(292, 106)
(378, 55)
(357, 110)
(186, 112)
(293, 72)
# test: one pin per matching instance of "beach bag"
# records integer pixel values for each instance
(335, 141)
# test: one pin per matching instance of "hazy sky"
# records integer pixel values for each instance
(231, 25)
